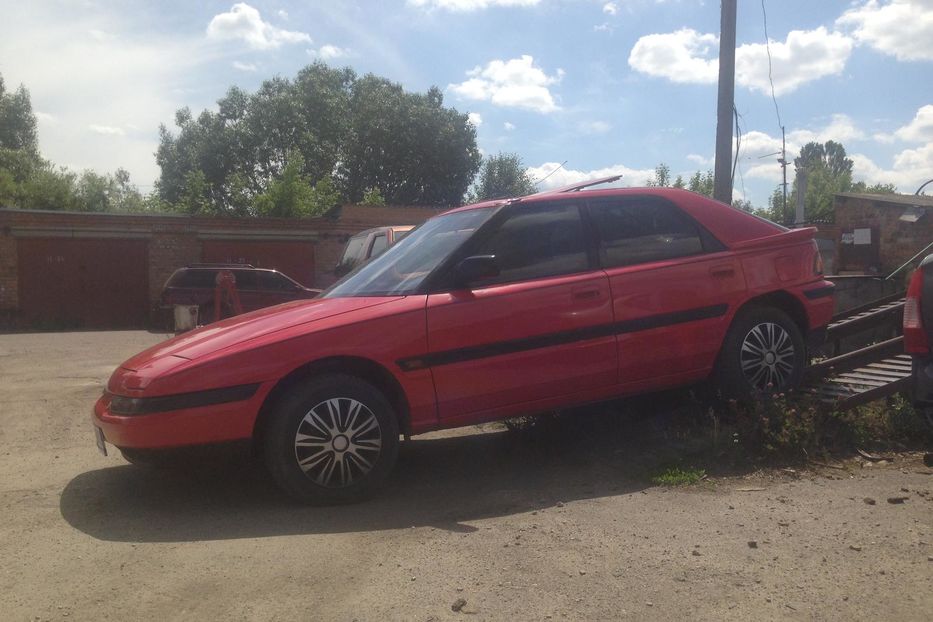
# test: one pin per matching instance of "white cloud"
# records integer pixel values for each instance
(475, 118)
(701, 161)
(515, 83)
(604, 27)
(107, 130)
(565, 176)
(282, 13)
(469, 5)
(508, 126)
(45, 117)
(900, 28)
(594, 127)
(805, 56)
(687, 56)
(244, 66)
(243, 22)
(920, 129)
(911, 168)
(681, 56)
(329, 52)
(611, 8)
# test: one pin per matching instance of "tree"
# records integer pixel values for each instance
(828, 172)
(701, 183)
(293, 196)
(372, 197)
(661, 177)
(500, 176)
(18, 129)
(863, 188)
(359, 133)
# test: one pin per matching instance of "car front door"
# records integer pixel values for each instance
(672, 286)
(536, 332)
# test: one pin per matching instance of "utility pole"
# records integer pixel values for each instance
(783, 161)
(722, 183)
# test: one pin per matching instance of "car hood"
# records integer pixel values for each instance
(236, 330)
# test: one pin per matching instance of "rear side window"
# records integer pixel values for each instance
(193, 278)
(275, 282)
(640, 230)
(380, 243)
(246, 279)
(537, 241)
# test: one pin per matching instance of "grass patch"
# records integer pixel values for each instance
(676, 476)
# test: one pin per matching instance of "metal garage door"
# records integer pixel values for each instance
(296, 259)
(83, 283)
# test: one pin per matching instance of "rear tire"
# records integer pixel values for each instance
(763, 353)
(332, 440)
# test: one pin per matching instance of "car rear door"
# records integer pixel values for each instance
(673, 285)
(536, 332)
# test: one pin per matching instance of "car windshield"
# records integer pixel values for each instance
(401, 269)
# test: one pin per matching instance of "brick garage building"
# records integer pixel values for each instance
(79, 270)
(877, 233)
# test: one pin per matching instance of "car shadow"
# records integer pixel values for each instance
(445, 482)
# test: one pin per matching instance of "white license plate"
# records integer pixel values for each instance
(99, 437)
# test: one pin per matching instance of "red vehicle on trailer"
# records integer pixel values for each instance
(485, 312)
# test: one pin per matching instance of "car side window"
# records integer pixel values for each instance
(640, 230)
(275, 282)
(380, 243)
(537, 241)
(246, 280)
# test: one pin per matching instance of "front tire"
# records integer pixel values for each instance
(763, 353)
(333, 440)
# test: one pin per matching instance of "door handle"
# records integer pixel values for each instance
(722, 271)
(586, 294)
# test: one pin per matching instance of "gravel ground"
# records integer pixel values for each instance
(497, 525)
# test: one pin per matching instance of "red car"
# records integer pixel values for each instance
(485, 312)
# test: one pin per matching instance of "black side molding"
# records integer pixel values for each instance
(820, 292)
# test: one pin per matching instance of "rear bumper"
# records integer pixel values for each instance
(217, 423)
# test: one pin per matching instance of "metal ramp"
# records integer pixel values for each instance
(865, 374)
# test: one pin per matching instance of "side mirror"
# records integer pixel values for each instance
(475, 268)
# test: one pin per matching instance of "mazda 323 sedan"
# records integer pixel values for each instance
(486, 312)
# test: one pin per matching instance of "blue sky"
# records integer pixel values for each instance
(608, 87)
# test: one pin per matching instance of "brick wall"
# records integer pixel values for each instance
(897, 240)
(167, 253)
(176, 240)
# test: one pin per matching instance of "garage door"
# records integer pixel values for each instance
(296, 259)
(83, 283)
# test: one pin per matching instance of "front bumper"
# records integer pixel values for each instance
(199, 425)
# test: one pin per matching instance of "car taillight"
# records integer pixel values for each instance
(915, 337)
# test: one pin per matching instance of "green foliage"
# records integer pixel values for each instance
(18, 130)
(862, 187)
(359, 133)
(676, 476)
(701, 183)
(501, 176)
(662, 176)
(372, 197)
(293, 196)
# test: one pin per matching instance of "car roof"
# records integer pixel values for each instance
(728, 224)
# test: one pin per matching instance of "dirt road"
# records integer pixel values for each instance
(520, 527)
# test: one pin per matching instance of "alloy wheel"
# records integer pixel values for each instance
(338, 442)
(767, 357)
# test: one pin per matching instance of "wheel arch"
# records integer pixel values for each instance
(783, 301)
(359, 367)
